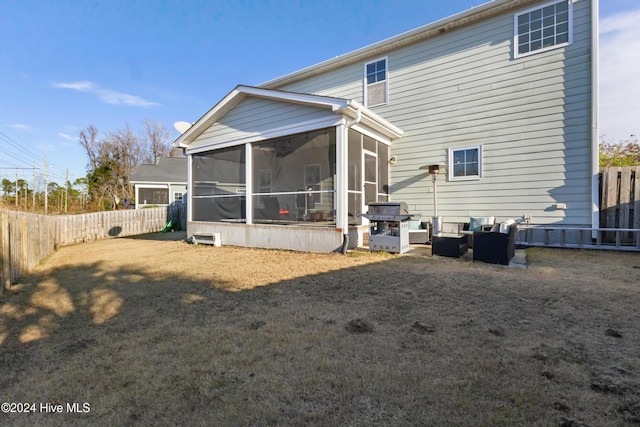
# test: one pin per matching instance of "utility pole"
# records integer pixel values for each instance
(46, 188)
(66, 191)
(17, 188)
(33, 192)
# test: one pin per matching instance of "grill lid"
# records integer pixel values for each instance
(400, 217)
(388, 211)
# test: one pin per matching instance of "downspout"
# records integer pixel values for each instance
(595, 116)
(356, 120)
(345, 228)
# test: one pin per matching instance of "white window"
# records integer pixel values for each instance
(543, 28)
(465, 163)
(312, 180)
(375, 83)
(177, 197)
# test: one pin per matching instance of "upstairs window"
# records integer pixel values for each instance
(465, 163)
(543, 28)
(375, 92)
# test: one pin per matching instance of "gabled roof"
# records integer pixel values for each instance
(346, 107)
(168, 170)
(462, 19)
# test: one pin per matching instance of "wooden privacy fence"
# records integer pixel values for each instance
(620, 199)
(26, 239)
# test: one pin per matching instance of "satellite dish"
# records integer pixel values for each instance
(182, 127)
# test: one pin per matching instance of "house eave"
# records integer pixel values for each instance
(158, 182)
(462, 19)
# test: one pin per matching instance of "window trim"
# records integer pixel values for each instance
(450, 175)
(386, 81)
(517, 54)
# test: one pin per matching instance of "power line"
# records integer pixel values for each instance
(23, 147)
(15, 154)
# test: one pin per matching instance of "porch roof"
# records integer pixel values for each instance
(348, 108)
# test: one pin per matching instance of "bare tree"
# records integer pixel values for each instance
(89, 140)
(114, 156)
(157, 136)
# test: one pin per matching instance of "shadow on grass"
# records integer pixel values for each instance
(168, 236)
(396, 341)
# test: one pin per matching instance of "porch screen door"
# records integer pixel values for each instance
(370, 171)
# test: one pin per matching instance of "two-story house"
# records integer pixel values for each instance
(504, 96)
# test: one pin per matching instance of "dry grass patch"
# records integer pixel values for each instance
(160, 332)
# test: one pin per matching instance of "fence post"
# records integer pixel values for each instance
(6, 255)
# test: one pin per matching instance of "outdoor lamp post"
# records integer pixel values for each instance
(434, 170)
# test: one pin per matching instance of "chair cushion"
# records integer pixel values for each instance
(505, 226)
(414, 224)
(476, 223)
(495, 228)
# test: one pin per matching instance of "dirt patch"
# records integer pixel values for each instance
(154, 331)
(359, 326)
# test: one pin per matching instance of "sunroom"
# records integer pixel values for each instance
(285, 170)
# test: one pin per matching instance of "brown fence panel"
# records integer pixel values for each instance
(26, 239)
(620, 199)
(5, 254)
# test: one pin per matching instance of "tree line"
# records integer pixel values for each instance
(112, 158)
(69, 197)
(623, 153)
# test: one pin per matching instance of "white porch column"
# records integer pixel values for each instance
(248, 171)
(342, 179)
(189, 188)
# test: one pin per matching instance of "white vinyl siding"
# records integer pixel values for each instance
(254, 116)
(463, 88)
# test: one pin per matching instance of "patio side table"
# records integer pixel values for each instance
(449, 244)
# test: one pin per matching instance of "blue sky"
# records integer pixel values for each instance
(67, 64)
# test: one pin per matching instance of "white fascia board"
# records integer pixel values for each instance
(143, 182)
(239, 93)
(154, 185)
(150, 183)
(366, 131)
